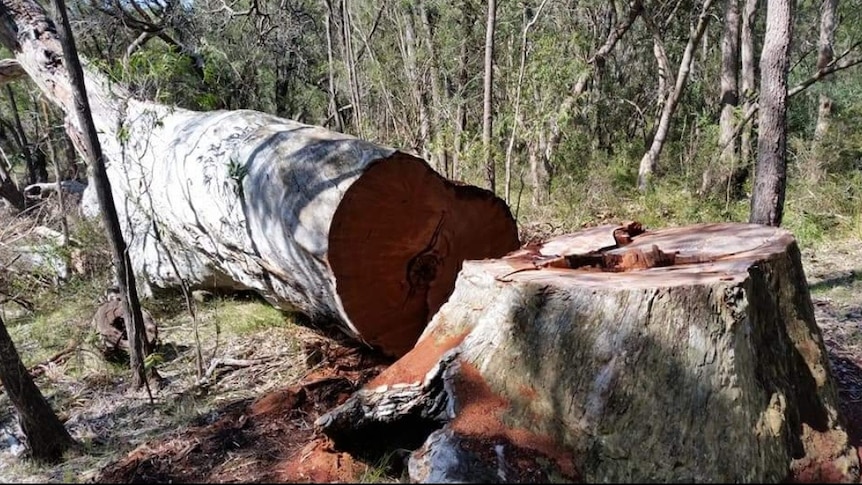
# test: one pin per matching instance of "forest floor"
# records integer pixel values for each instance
(251, 419)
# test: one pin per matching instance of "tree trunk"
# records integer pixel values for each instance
(825, 56)
(729, 95)
(8, 189)
(36, 172)
(139, 346)
(748, 82)
(334, 113)
(468, 19)
(616, 356)
(650, 158)
(350, 66)
(528, 23)
(439, 152)
(417, 85)
(770, 172)
(348, 232)
(46, 435)
(487, 116)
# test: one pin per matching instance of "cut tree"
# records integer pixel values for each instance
(341, 229)
(617, 355)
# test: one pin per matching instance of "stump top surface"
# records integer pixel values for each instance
(694, 254)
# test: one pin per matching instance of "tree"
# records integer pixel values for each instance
(46, 435)
(729, 93)
(134, 321)
(487, 116)
(650, 158)
(770, 171)
(825, 56)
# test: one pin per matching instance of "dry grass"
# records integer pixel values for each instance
(92, 397)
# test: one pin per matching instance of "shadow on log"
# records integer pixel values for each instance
(620, 355)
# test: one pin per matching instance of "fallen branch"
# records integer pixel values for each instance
(236, 364)
(58, 358)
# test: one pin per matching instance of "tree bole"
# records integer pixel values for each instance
(619, 355)
(341, 229)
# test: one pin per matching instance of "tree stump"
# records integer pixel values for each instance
(622, 355)
(109, 322)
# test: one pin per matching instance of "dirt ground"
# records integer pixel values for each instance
(270, 439)
(269, 436)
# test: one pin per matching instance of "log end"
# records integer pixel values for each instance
(397, 241)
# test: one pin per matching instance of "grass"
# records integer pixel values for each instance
(89, 394)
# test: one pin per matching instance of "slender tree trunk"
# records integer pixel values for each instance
(439, 152)
(825, 56)
(748, 82)
(350, 66)
(334, 113)
(417, 86)
(729, 94)
(661, 59)
(770, 172)
(468, 19)
(58, 176)
(36, 172)
(487, 116)
(552, 139)
(528, 23)
(138, 345)
(9, 190)
(650, 159)
(46, 435)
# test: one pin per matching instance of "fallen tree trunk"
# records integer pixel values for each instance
(339, 228)
(611, 355)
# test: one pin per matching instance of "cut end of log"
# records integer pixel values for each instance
(397, 242)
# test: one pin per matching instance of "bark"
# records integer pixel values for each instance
(334, 113)
(109, 322)
(729, 95)
(770, 171)
(748, 83)
(46, 435)
(358, 236)
(487, 116)
(9, 190)
(825, 56)
(615, 356)
(650, 158)
(90, 145)
(415, 78)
